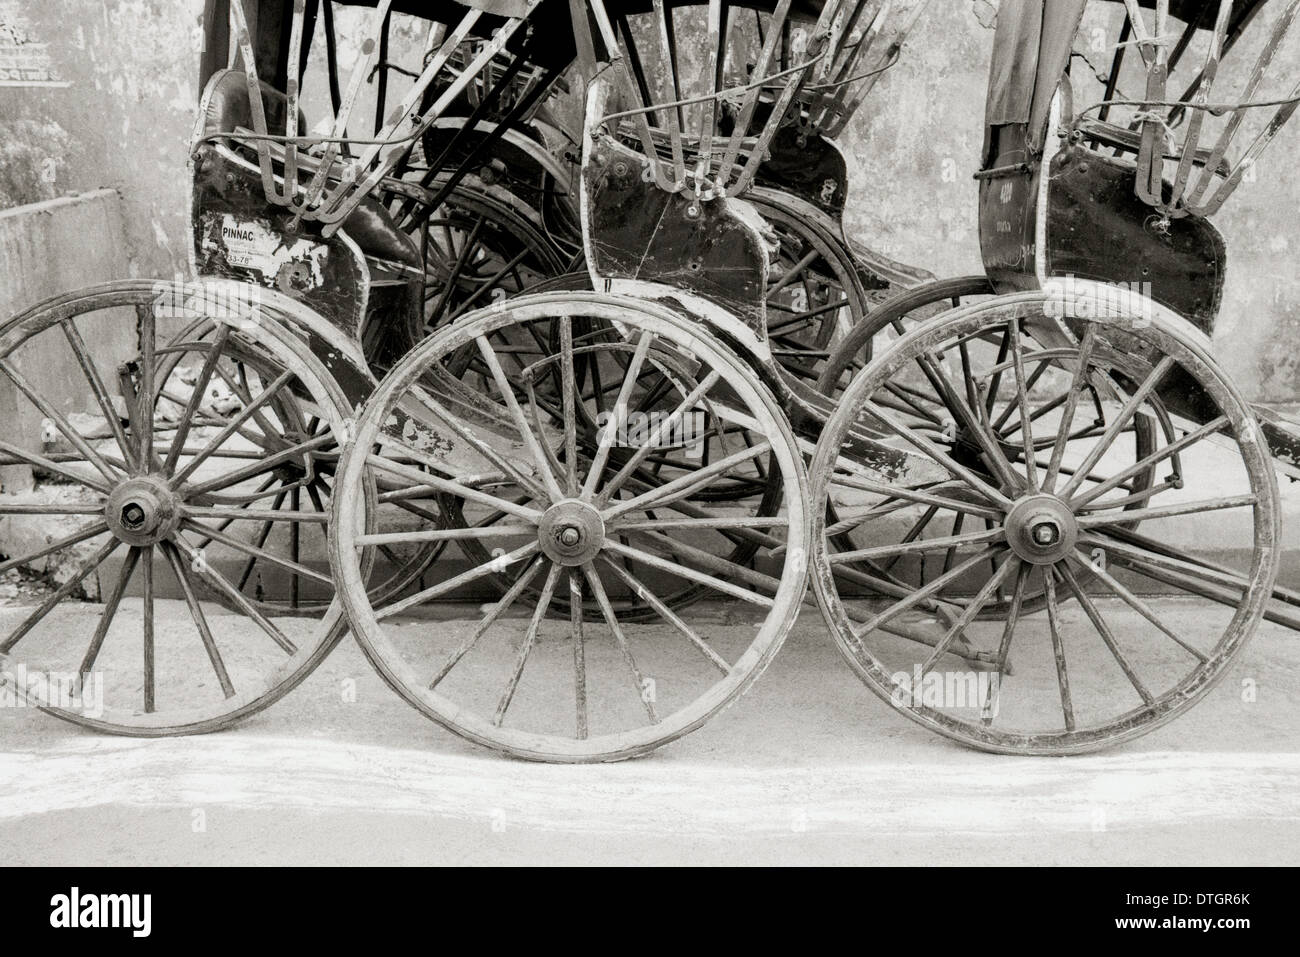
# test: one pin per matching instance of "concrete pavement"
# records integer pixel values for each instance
(808, 767)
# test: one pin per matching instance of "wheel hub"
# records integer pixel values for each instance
(143, 510)
(1041, 529)
(571, 532)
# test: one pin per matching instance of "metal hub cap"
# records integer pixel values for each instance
(571, 532)
(143, 510)
(1041, 529)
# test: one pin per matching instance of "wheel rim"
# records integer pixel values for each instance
(141, 489)
(1079, 682)
(566, 531)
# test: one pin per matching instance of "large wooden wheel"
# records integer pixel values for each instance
(144, 487)
(905, 595)
(578, 531)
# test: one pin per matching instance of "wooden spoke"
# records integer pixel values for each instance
(447, 534)
(145, 323)
(693, 575)
(150, 670)
(90, 531)
(714, 522)
(645, 594)
(109, 613)
(1130, 408)
(1058, 648)
(610, 432)
(258, 552)
(1136, 603)
(1168, 511)
(685, 484)
(196, 396)
(247, 412)
(922, 497)
(1090, 609)
(60, 422)
(568, 390)
(958, 628)
(218, 581)
(656, 436)
(598, 591)
(1082, 502)
(66, 589)
(543, 603)
(521, 422)
(499, 609)
(428, 480)
(922, 594)
(261, 467)
(485, 449)
(40, 461)
(428, 594)
(97, 386)
(924, 545)
(576, 625)
(182, 576)
(1022, 400)
(943, 458)
(1071, 405)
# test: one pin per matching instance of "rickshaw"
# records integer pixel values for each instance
(527, 156)
(1092, 448)
(216, 448)
(628, 459)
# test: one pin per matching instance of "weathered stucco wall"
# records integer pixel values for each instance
(132, 68)
(122, 121)
(44, 250)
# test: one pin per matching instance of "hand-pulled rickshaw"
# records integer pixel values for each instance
(617, 465)
(1091, 445)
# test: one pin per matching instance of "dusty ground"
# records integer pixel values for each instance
(809, 767)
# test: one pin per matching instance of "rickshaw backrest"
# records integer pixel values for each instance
(1052, 206)
(225, 107)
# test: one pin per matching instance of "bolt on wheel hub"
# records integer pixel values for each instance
(571, 532)
(143, 510)
(1041, 529)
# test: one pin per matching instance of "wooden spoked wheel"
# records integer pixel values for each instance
(144, 487)
(265, 555)
(1106, 658)
(530, 674)
(814, 294)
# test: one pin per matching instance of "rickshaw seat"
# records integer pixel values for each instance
(1130, 141)
(226, 109)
